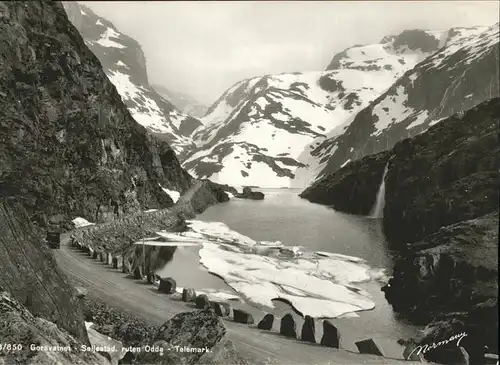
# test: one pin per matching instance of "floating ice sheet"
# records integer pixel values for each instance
(319, 284)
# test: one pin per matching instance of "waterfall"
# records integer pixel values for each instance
(378, 207)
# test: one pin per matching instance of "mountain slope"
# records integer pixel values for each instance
(261, 131)
(185, 103)
(30, 274)
(440, 218)
(460, 75)
(68, 144)
(124, 63)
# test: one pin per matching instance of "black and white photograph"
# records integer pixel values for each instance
(249, 182)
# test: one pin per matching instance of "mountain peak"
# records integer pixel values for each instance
(284, 129)
(124, 63)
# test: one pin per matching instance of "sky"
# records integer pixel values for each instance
(201, 48)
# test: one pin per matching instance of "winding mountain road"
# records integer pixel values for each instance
(144, 300)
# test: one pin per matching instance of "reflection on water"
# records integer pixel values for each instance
(283, 216)
(185, 268)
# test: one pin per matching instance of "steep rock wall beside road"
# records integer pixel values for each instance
(28, 272)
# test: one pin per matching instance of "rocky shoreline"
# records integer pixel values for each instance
(441, 217)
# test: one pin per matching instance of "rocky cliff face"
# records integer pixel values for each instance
(451, 279)
(441, 214)
(68, 144)
(19, 326)
(461, 74)
(124, 63)
(361, 179)
(31, 276)
(448, 174)
(445, 175)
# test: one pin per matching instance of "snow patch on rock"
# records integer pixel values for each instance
(81, 222)
(174, 195)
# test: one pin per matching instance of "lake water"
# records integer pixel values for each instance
(284, 216)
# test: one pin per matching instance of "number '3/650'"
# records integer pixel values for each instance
(10, 347)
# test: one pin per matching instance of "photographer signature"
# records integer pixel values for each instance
(422, 349)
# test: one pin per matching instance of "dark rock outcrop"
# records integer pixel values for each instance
(19, 326)
(351, 189)
(441, 201)
(266, 323)
(451, 278)
(204, 194)
(115, 323)
(202, 302)
(460, 159)
(456, 266)
(68, 144)
(445, 175)
(30, 273)
(167, 285)
(288, 326)
(249, 194)
(224, 187)
(459, 156)
(331, 335)
(188, 295)
(308, 330)
(201, 331)
(476, 331)
(241, 316)
(368, 347)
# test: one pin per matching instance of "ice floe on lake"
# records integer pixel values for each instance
(320, 284)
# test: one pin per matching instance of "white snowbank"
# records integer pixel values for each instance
(81, 222)
(318, 284)
(174, 195)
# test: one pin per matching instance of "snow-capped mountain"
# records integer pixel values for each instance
(463, 73)
(262, 130)
(123, 61)
(185, 103)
